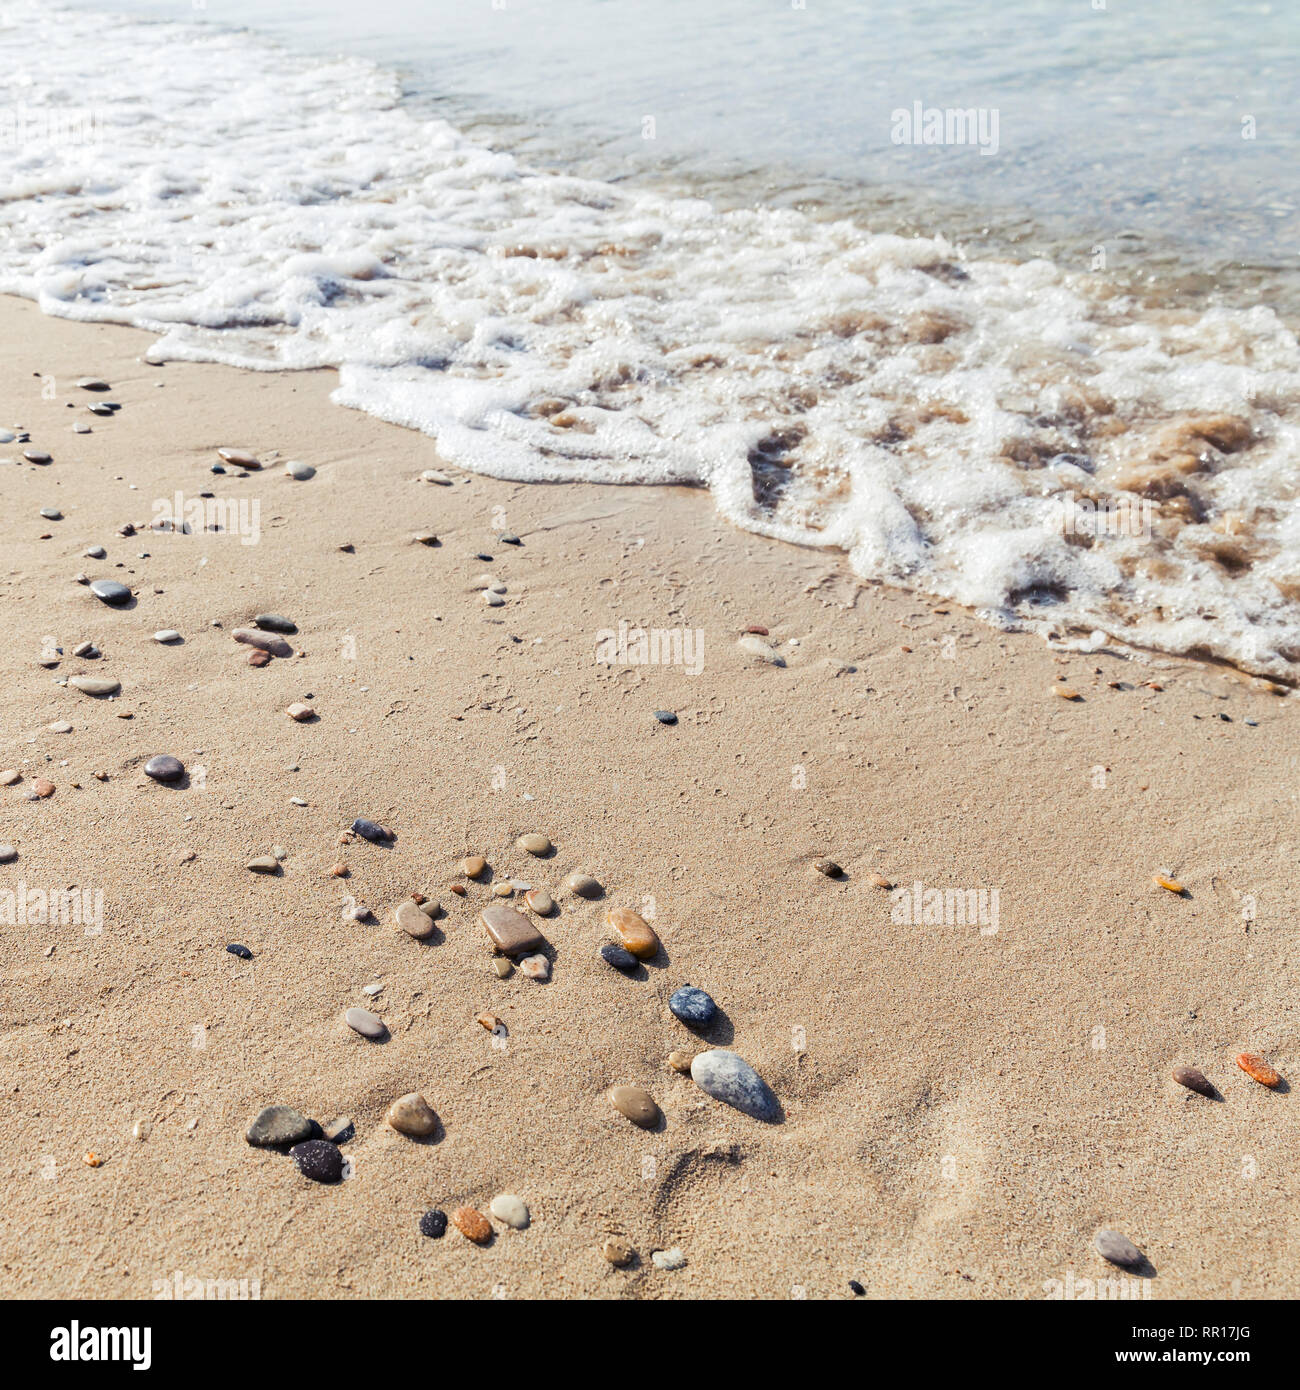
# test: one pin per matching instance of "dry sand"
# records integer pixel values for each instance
(968, 1107)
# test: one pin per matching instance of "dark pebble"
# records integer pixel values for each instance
(242, 952)
(693, 1006)
(164, 768)
(856, 1289)
(110, 591)
(318, 1160)
(368, 830)
(273, 622)
(433, 1224)
(511, 540)
(665, 716)
(1194, 1080)
(481, 555)
(218, 468)
(618, 957)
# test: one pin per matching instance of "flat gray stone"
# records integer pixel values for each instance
(7, 854)
(278, 1125)
(1118, 1249)
(730, 1079)
(110, 591)
(95, 685)
(364, 1022)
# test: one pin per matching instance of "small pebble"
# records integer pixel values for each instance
(9, 776)
(492, 600)
(278, 1125)
(1194, 1080)
(665, 716)
(95, 685)
(618, 1252)
(502, 966)
(828, 867)
(60, 726)
(431, 475)
(412, 921)
(242, 952)
(95, 552)
(511, 932)
(36, 456)
(340, 1131)
(473, 865)
(43, 788)
(509, 538)
(1118, 1249)
(472, 1224)
(141, 1130)
(110, 591)
(489, 1021)
(856, 1289)
(7, 854)
(300, 712)
(535, 967)
(583, 885)
(1256, 1067)
(730, 1079)
(681, 1062)
(93, 383)
(636, 934)
(51, 514)
(502, 888)
(364, 1022)
(425, 538)
(433, 1224)
(618, 957)
(635, 1104)
(534, 844)
(318, 1160)
(668, 1259)
(257, 658)
(300, 471)
(240, 458)
(251, 637)
(265, 864)
(511, 1210)
(692, 1006)
(273, 622)
(540, 902)
(412, 1114)
(167, 634)
(755, 646)
(369, 830)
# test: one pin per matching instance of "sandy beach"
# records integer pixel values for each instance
(963, 1104)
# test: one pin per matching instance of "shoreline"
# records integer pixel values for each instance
(955, 1124)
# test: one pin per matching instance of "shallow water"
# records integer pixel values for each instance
(951, 365)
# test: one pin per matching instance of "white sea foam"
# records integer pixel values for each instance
(929, 415)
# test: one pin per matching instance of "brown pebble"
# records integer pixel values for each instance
(618, 1252)
(1255, 1066)
(502, 888)
(298, 711)
(9, 776)
(879, 881)
(472, 1224)
(339, 871)
(472, 865)
(488, 1021)
(1065, 692)
(635, 1104)
(458, 889)
(412, 1114)
(258, 658)
(412, 921)
(511, 932)
(757, 629)
(1194, 1080)
(828, 867)
(502, 966)
(680, 1061)
(43, 788)
(636, 934)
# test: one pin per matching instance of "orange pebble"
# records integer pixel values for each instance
(92, 1160)
(1258, 1068)
(458, 889)
(1171, 884)
(473, 1225)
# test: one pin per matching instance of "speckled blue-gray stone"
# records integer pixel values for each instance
(730, 1079)
(693, 1006)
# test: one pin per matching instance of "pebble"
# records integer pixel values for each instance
(60, 726)
(536, 967)
(51, 514)
(36, 456)
(300, 472)
(540, 902)
(618, 1252)
(95, 685)
(318, 1160)
(856, 1289)
(256, 658)
(730, 1079)
(431, 475)
(100, 409)
(472, 1224)
(509, 538)
(1255, 1066)
(164, 768)
(1118, 1249)
(93, 383)
(7, 854)
(668, 1259)
(828, 867)
(665, 716)
(618, 957)
(241, 458)
(141, 1130)
(534, 844)
(633, 931)
(433, 1224)
(473, 865)
(369, 830)
(364, 1022)
(95, 552)
(489, 1021)
(242, 952)
(511, 1210)
(110, 591)
(492, 600)
(412, 921)
(693, 1006)
(583, 885)
(502, 966)
(43, 788)
(635, 1104)
(278, 1125)
(755, 646)
(85, 649)
(511, 932)
(9, 776)
(412, 1114)
(80, 427)
(250, 637)
(681, 1061)
(425, 538)
(502, 888)
(1194, 1080)
(273, 622)
(300, 712)
(266, 864)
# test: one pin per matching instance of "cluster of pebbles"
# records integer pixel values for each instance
(517, 941)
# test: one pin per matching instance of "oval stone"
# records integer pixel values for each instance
(730, 1079)
(164, 768)
(273, 622)
(511, 1210)
(540, 902)
(693, 1007)
(264, 864)
(633, 931)
(635, 1104)
(318, 1160)
(242, 952)
(412, 920)
(472, 865)
(472, 1224)
(618, 957)
(1118, 1249)
(534, 844)
(412, 1114)
(95, 685)
(433, 1224)
(511, 932)
(110, 591)
(1194, 1080)
(7, 854)
(240, 458)
(250, 637)
(369, 830)
(618, 1252)
(1256, 1067)
(583, 885)
(167, 634)
(278, 1125)
(364, 1022)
